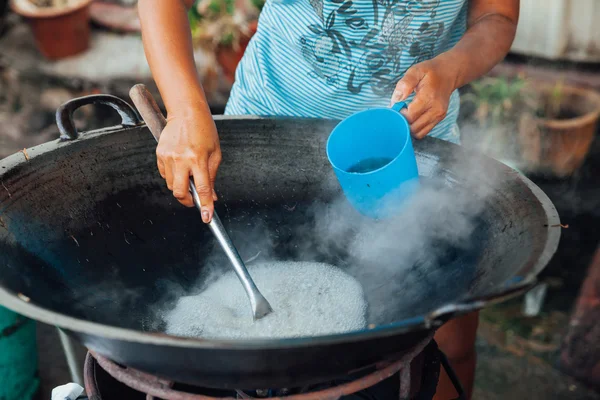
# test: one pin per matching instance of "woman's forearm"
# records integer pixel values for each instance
(492, 25)
(168, 47)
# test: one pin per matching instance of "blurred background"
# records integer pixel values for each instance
(537, 111)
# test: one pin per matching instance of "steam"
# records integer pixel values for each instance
(404, 261)
(408, 264)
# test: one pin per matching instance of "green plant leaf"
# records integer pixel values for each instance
(227, 39)
(230, 6)
(259, 4)
(216, 6)
(193, 16)
(498, 100)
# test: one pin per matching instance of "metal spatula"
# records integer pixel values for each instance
(156, 122)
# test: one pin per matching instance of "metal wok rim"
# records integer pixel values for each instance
(420, 323)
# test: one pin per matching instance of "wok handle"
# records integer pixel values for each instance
(149, 110)
(64, 113)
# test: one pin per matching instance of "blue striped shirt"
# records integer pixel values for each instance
(332, 58)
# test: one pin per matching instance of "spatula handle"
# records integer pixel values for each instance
(148, 109)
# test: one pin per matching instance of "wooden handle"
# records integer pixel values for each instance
(148, 109)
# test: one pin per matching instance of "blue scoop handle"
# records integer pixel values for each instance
(399, 106)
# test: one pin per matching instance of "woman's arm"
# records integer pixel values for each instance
(491, 29)
(189, 144)
(492, 25)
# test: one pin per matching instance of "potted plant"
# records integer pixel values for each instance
(225, 27)
(61, 27)
(495, 107)
(533, 126)
(559, 136)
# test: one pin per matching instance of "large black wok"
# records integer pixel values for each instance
(93, 242)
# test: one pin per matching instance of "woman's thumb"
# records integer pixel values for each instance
(406, 85)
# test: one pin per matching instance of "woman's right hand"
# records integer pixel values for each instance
(189, 146)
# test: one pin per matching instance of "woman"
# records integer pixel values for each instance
(329, 59)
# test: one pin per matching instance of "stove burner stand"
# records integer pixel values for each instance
(418, 371)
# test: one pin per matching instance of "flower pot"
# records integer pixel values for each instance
(59, 31)
(229, 58)
(559, 146)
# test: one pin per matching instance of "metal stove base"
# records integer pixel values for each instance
(412, 377)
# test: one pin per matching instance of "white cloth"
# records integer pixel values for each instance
(70, 391)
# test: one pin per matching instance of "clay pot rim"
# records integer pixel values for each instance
(50, 12)
(584, 119)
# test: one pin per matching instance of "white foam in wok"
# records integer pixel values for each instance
(308, 299)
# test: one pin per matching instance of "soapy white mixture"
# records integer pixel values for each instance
(308, 299)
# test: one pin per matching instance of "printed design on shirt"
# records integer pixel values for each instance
(374, 61)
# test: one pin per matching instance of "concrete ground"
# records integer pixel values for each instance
(502, 375)
(53, 367)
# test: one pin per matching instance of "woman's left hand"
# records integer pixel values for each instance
(433, 81)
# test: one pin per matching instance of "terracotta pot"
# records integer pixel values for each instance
(228, 58)
(559, 147)
(59, 32)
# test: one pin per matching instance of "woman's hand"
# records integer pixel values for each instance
(189, 146)
(433, 81)
(491, 28)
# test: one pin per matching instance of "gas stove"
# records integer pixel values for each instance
(412, 376)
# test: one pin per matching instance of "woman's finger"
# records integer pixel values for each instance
(423, 121)
(181, 185)
(425, 130)
(417, 108)
(213, 166)
(406, 85)
(204, 189)
(161, 168)
(433, 116)
(169, 173)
